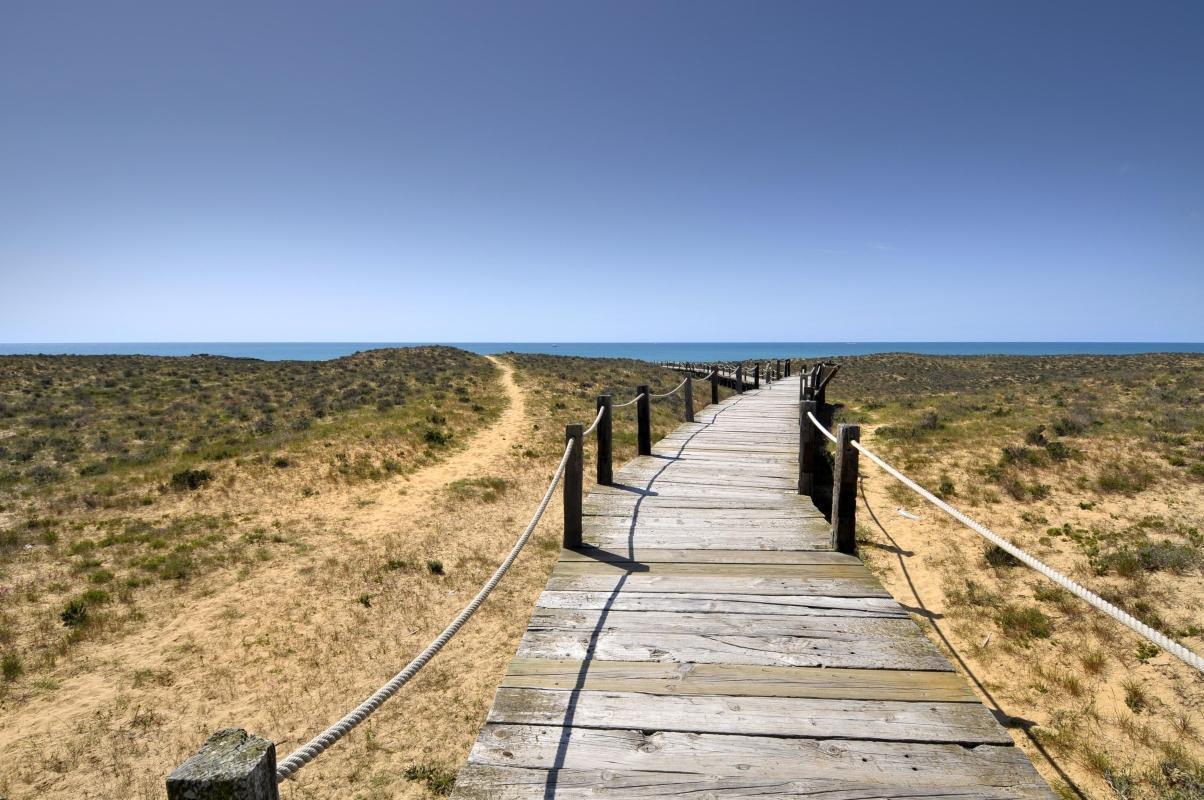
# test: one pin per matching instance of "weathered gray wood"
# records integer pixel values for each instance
(808, 449)
(605, 435)
(639, 582)
(707, 640)
(733, 680)
(884, 720)
(628, 600)
(672, 556)
(831, 650)
(844, 490)
(643, 412)
(231, 765)
(852, 571)
(878, 763)
(572, 484)
(481, 782)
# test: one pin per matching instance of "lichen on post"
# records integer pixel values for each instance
(231, 765)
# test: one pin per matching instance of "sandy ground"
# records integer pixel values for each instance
(289, 647)
(1042, 691)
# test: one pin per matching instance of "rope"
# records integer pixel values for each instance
(704, 377)
(671, 391)
(594, 426)
(629, 402)
(1123, 617)
(320, 743)
(822, 429)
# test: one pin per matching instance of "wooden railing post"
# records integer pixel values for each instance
(739, 379)
(714, 384)
(605, 433)
(689, 400)
(572, 487)
(231, 765)
(808, 448)
(778, 368)
(787, 368)
(643, 415)
(844, 490)
(756, 376)
(821, 394)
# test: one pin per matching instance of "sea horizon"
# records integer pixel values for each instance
(644, 351)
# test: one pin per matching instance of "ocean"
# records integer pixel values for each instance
(646, 351)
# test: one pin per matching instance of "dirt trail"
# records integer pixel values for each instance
(486, 451)
(201, 640)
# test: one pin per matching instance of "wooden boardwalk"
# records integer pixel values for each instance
(709, 644)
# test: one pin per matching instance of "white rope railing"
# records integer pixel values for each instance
(320, 743)
(706, 377)
(594, 426)
(672, 391)
(629, 402)
(820, 426)
(1090, 597)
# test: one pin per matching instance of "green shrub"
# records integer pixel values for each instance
(190, 479)
(435, 566)
(75, 613)
(436, 436)
(1023, 623)
(11, 666)
(1124, 479)
(439, 781)
(996, 556)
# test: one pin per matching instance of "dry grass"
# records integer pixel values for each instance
(336, 589)
(1096, 466)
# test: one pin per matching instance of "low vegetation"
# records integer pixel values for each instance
(189, 564)
(1096, 466)
(123, 476)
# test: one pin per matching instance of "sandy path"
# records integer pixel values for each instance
(484, 454)
(97, 675)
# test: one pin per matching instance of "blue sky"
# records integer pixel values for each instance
(626, 171)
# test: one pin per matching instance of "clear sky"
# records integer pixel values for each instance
(607, 171)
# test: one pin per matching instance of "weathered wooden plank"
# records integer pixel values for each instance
(479, 782)
(727, 603)
(738, 681)
(637, 582)
(742, 556)
(911, 764)
(823, 649)
(615, 539)
(846, 628)
(833, 571)
(883, 720)
(717, 520)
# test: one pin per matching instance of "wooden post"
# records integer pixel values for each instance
(572, 487)
(778, 368)
(689, 400)
(844, 490)
(740, 379)
(605, 430)
(821, 395)
(787, 368)
(643, 415)
(756, 376)
(231, 765)
(808, 448)
(714, 384)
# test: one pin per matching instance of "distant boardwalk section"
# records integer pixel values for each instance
(708, 641)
